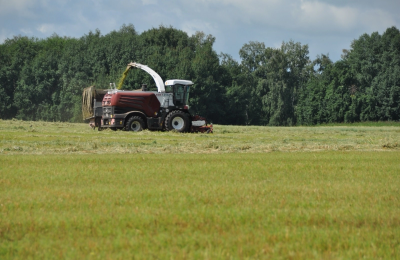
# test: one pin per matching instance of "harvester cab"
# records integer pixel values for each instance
(180, 92)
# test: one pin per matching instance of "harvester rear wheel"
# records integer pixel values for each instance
(178, 121)
(134, 124)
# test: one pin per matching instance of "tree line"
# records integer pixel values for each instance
(43, 79)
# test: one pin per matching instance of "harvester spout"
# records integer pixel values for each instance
(158, 80)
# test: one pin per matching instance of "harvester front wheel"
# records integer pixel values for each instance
(178, 121)
(134, 124)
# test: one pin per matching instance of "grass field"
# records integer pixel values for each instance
(328, 192)
(19, 137)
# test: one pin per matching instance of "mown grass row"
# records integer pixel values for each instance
(325, 205)
(20, 137)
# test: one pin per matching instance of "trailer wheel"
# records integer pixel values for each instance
(177, 120)
(134, 124)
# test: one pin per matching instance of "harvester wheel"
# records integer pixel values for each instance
(178, 121)
(134, 124)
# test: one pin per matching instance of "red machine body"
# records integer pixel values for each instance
(145, 102)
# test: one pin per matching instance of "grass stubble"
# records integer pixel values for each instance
(24, 137)
(250, 192)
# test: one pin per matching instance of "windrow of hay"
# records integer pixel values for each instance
(27, 137)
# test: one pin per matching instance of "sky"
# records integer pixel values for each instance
(327, 26)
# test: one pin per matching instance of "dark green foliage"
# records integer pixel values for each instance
(273, 78)
(43, 79)
(97, 60)
(363, 86)
(15, 54)
(237, 97)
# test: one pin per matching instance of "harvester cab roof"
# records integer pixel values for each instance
(172, 82)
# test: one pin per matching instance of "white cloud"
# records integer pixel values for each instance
(248, 12)
(318, 17)
(15, 5)
(20, 8)
(299, 16)
(46, 28)
(377, 20)
(192, 27)
(4, 35)
(324, 16)
(323, 24)
(149, 2)
(26, 31)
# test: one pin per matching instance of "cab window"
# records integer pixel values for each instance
(179, 91)
(168, 89)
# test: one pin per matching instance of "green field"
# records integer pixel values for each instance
(22, 137)
(327, 192)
